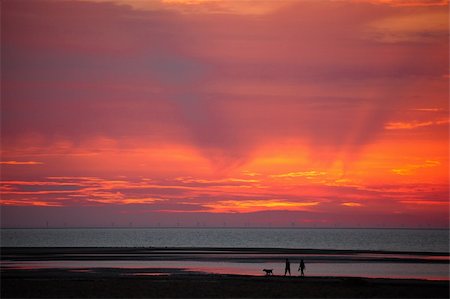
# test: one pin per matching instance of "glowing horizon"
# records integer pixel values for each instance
(287, 113)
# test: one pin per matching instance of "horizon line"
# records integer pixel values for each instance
(223, 227)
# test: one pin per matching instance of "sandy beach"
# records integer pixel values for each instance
(147, 272)
(114, 284)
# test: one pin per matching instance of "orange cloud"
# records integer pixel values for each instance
(409, 169)
(307, 174)
(25, 202)
(108, 198)
(206, 181)
(425, 202)
(414, 27)
(418, 3)
(242, 7)
(41, 183)
(20, 162)
(351, 204)
(414, 124)
(246, 206)
(427, 109)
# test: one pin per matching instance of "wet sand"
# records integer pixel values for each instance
(215, 254)
(47, 285)
(180, 282)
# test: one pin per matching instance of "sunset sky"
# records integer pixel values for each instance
(225, 113)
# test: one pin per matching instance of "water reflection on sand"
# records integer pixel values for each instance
(435, 271)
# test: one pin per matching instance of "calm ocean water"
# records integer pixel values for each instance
(354, 239)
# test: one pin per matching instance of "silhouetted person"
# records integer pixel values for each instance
(302, 267)
(287, 268)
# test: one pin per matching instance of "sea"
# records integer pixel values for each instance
(415, 240)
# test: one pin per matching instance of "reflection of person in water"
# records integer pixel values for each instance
(287, 268)
(302, 267)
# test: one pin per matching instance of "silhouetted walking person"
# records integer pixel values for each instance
(301, 267)
(287, 268)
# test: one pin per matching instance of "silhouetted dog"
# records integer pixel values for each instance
(268, 271)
